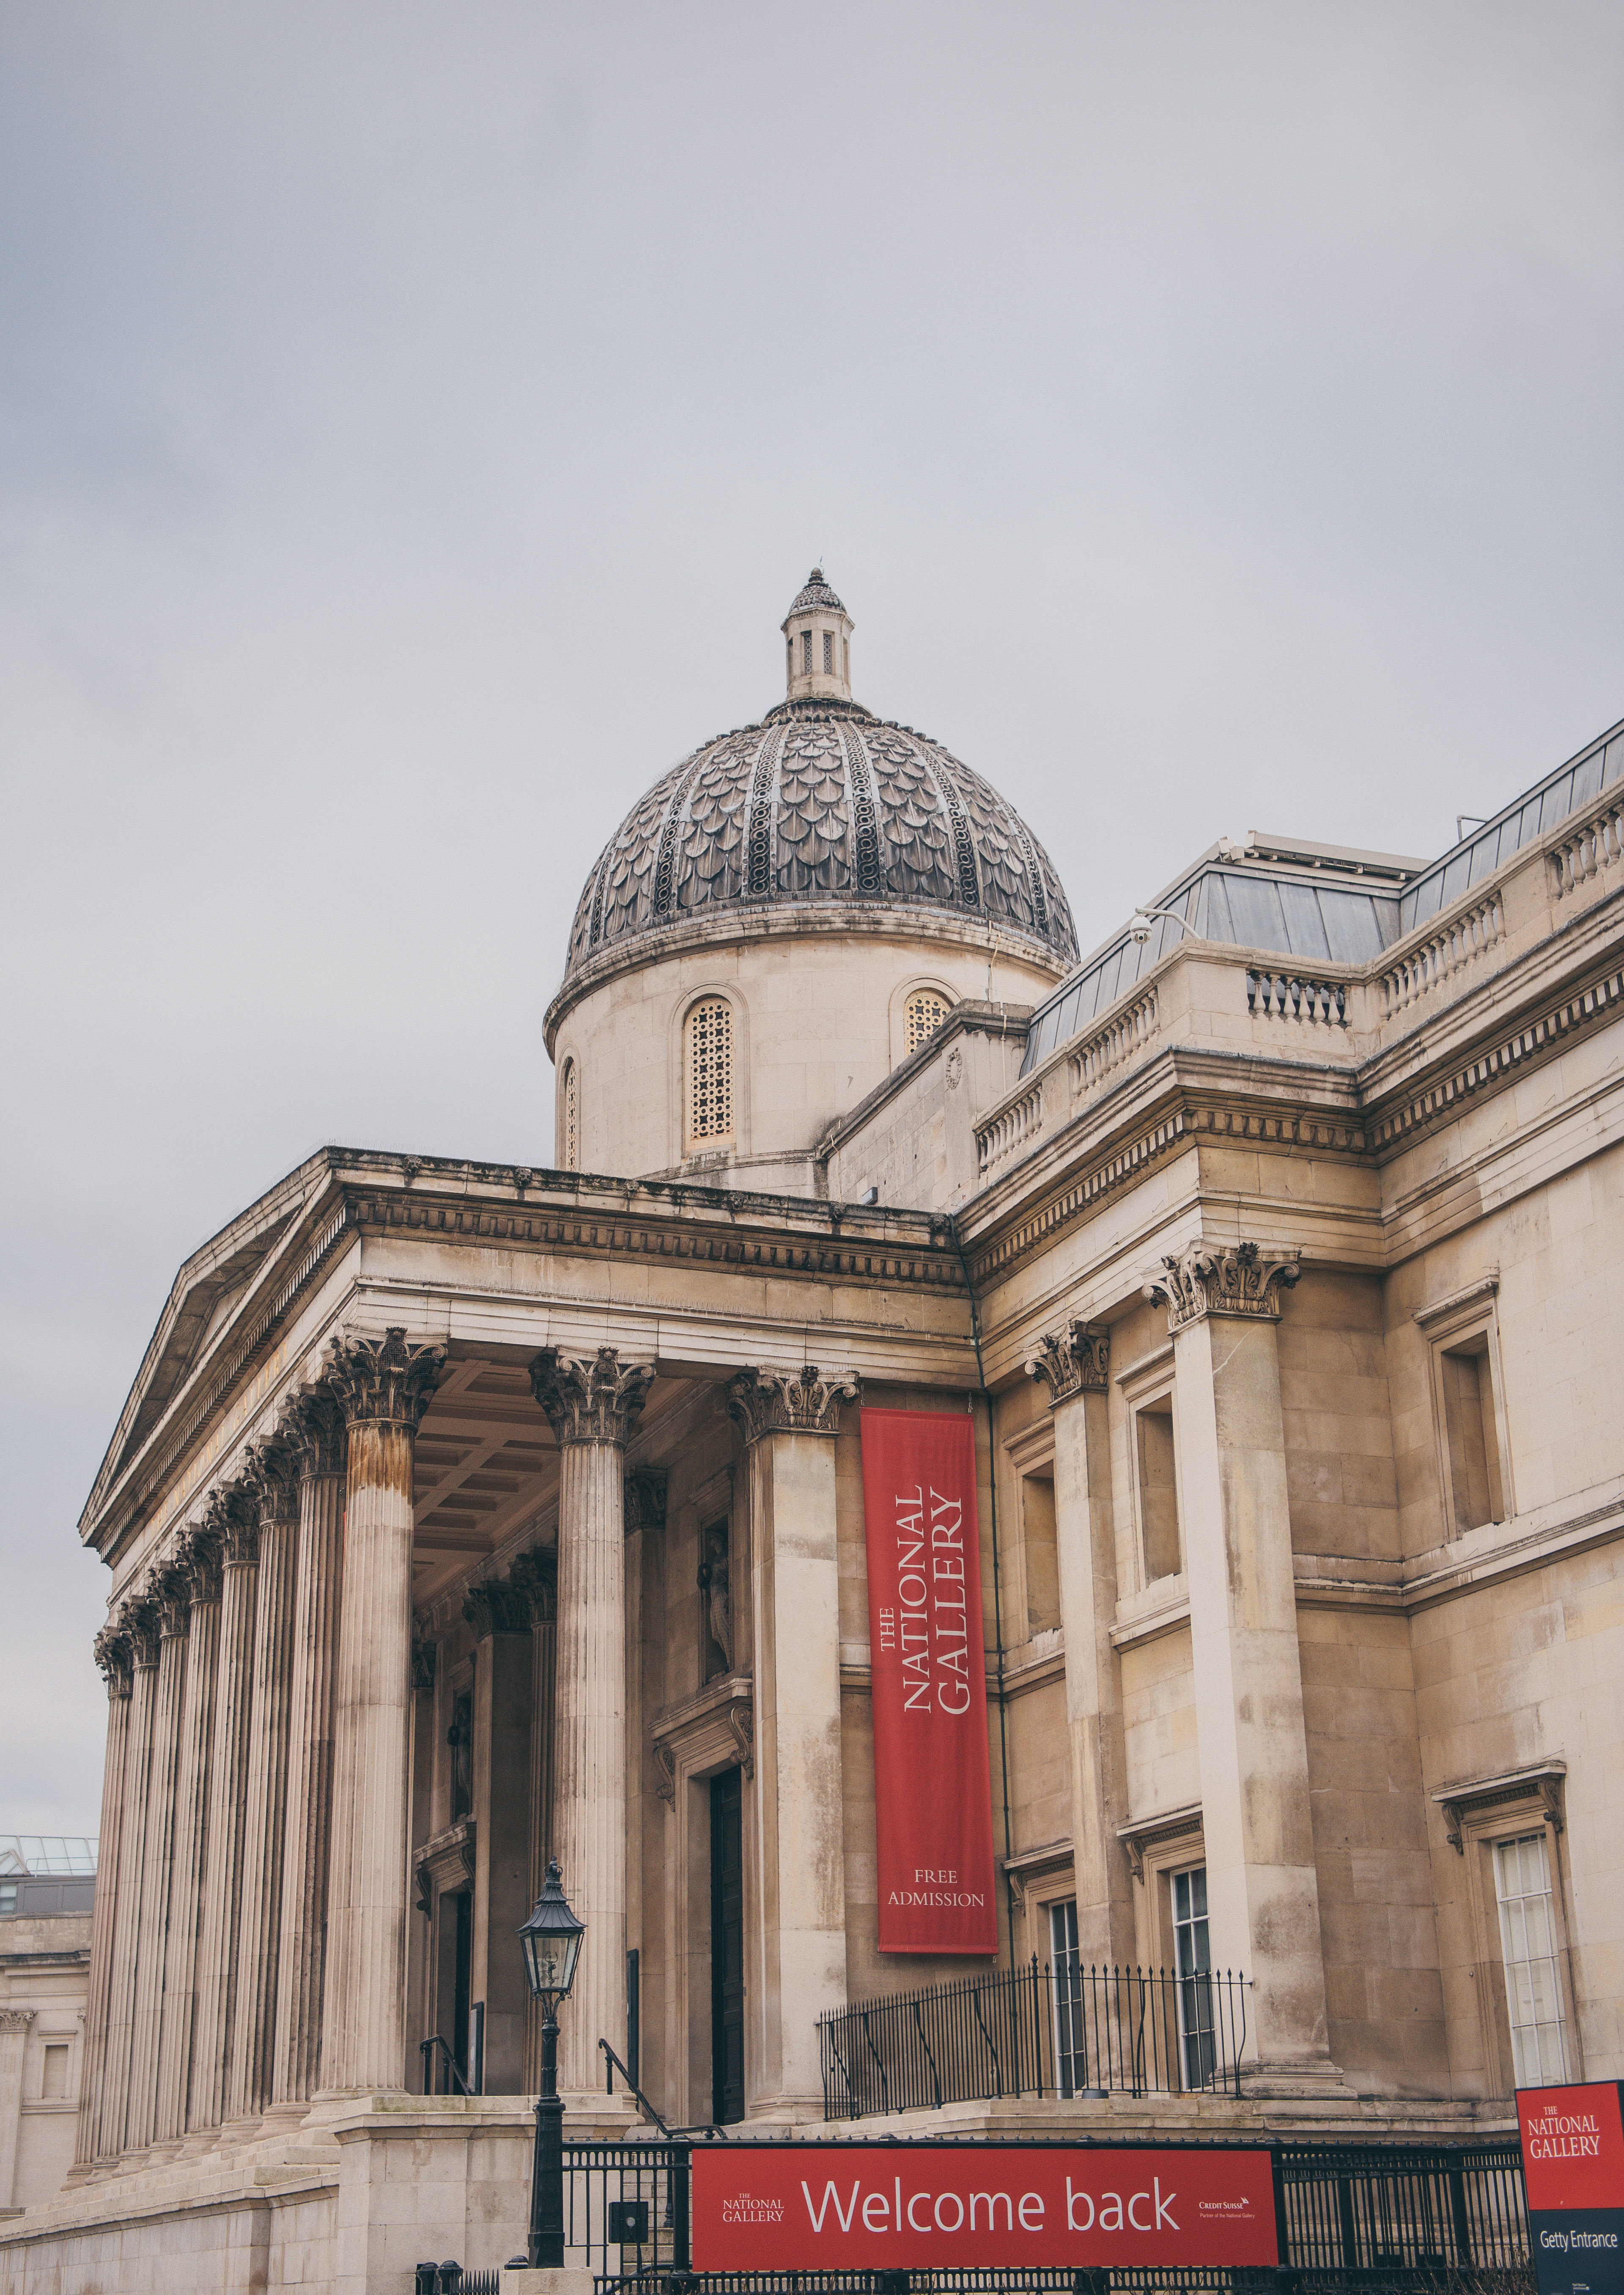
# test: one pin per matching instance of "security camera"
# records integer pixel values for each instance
(1140, 929)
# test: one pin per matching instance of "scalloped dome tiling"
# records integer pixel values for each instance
(820, 802)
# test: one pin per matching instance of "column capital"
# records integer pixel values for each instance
(1075, 1361)
(311, 1426)
(172, 1594)
(591, 1399)
(788, 1401)
(138, 1622)
(232, 1520)
(271, 1479)
(1220, 1279)
(16, 2020)
(113, 1656)
(199, 1557)
(538, 1574)
(383, 1382)
(497, 1605)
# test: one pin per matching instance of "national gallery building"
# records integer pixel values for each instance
(1091, 1475)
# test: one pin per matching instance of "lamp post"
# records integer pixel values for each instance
(551, 1942)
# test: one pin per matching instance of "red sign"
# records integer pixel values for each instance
(932, 1792)
(958, 2207)
(1572, 2146)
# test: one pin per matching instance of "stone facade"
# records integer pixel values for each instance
(1279, 1295)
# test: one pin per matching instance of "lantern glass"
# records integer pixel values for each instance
(550, 1939)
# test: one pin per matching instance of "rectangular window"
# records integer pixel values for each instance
(1071, 2050)
(1158, 1489)
(1467, 1380)
(55, 2080)
(1528, 1948)
(806, 652)
(829, 653)
(1193, 1960)
(1041, 1549)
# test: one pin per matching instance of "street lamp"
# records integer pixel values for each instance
(550, 1939)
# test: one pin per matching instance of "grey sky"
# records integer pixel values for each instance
(414, 422)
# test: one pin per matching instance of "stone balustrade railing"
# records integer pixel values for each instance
(1109, 1048)
(1590, 848)
(1295, 996)
(1433, 963)
(1008, 1129)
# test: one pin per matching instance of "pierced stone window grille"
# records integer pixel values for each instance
(710, 1071)
(1530, 1950)
(829, 653)
(571, 1141)
(806, 652)
(923, 1014)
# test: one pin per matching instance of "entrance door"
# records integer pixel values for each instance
(727, 1950)
(463, 1983)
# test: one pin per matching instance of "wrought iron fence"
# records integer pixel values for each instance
(1398, 2207)
(1069, 2031)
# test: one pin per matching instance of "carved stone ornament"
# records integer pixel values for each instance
(172, 1594)
(233, 1523)
(1544, 1783)
(592, 1398)
(199, 1555)
(16, 2020)
(645, 1499)
(138, 1620)
(425, 1659)
(788, 1401)
(1078, 1362)
(1210, 1279)
(496, 1605)
(312, 1427)
(113, 1656)
(271, 1472)
(383, 1382)
(537, 1573)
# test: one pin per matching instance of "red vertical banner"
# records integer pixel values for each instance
(932, 1789)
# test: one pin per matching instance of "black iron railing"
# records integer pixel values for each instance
(1393, 2207)
(1035, 2032)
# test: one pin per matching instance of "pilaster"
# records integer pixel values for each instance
(1075, 1365)
(200, 1562)
(113, 1656)
(383, 1387)
(1223, 1304)
(14, 2025)
(789, 1419)
(592, 1404)
(314, 1430)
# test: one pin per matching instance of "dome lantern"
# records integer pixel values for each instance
(817, 644)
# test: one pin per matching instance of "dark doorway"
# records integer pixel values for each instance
(465, 1970)
(727, 1950)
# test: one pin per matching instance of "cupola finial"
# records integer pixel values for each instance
(817, 644)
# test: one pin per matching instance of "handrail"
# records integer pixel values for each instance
(672, 2134)
(426, 2049)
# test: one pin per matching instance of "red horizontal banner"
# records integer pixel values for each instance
(855, 2207)
(933, 1790)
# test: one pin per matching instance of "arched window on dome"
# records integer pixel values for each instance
(569, 1117)
(707, 1065)
(922, 1015)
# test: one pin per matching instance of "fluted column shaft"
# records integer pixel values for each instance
(383, 1387)
(223, 1859)
(191, 1838)
(113, 1655)
(259, 1915)
(126, 1913)
(151, 1942)
(538, 1576)
(592, 1404)
(295, 2055)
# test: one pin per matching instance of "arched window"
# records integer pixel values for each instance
(923, 1014)
(708, 1064)
(570, 1128)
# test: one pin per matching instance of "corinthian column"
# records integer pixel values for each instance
(201, 1561)
(113, 1657)
(231, 1521)
(273, 1492)
(592, 1405)
(383, 1387)
(1223, 1304)
(1075, 1367)
(537, 1573)
(171, 1600)
(140, 1623)
(789, 1419)
(315, 1432)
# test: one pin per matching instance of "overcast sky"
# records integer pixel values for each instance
(414, 422)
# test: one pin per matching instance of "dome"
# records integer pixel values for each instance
(820, 802)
